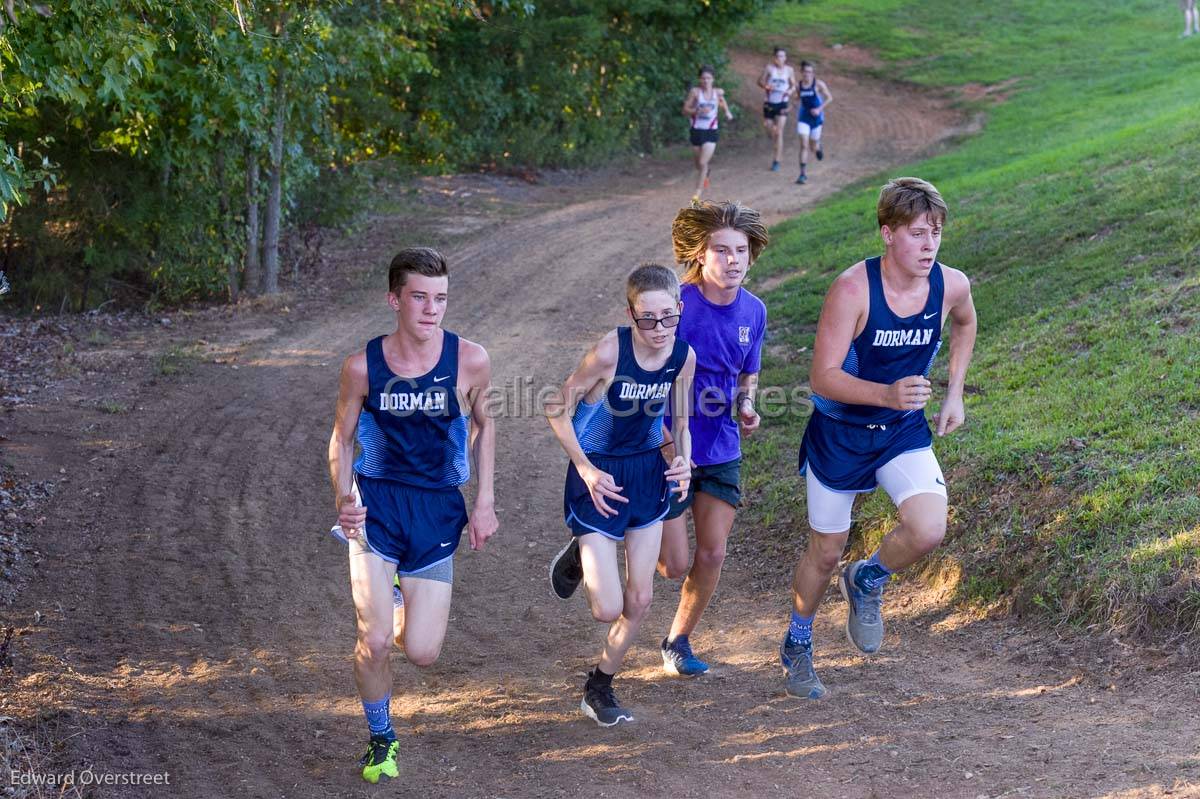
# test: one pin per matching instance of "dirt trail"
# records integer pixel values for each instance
(195, 619)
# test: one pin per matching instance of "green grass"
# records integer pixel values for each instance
(1076, 482)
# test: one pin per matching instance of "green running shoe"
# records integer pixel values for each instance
(379, 761)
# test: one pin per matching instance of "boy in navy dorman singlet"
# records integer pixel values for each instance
(810, 118)
(879, 332)
(410, 400)
(608, 417)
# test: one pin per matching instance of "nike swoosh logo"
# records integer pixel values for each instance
(440, 379)
(448, 543)
(669, 371)
(939, 481)
(930, 315)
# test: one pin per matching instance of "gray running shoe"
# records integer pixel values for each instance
(601, 706)
(802, 681)
(864, 619)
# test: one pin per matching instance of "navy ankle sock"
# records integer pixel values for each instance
(871, 575)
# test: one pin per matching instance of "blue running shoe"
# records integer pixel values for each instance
(864, 619)
(678, 658)
(802, 681)
(774, 166)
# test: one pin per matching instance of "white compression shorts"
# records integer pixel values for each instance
(804, 129)
(904, 476)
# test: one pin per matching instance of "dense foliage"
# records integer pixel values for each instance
(162, 149)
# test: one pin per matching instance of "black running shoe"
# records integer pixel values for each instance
(566, 570)
(820, 154)
(601, 706)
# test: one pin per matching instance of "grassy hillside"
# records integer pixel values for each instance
(1076, 482)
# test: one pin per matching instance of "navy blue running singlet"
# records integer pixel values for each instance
(810, 105)
(889, 348)
(412, 429)
(628, 418)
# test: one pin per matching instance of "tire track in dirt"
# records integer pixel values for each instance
(213, 627)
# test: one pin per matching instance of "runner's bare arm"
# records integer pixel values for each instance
(689, 105)
(595, 371)
(963, 326)
(475, 380)
(826, 95)
(352, 389)
(843, 317)
(724, 105)
(764, 78)
(680, 460)
(747, 387)
(793, 84)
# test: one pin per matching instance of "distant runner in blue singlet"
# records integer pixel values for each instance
(810, 118)
(415, 402)
(608, 417)
(879, 332)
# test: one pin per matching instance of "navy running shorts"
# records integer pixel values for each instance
(720, 480)
(845, 457)
(415, 528)
(701, 136)
(643, 482)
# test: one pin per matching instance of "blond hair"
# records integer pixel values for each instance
(694, 225)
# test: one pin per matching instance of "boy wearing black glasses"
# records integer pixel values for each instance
(608, 417)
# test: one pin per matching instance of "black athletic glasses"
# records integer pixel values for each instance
(649, 324)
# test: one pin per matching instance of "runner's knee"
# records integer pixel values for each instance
(824, 551)
(710, 558)
(606, 611)
(637, 602)
(375, 645)
(925, 531)
(672, 566)
(422, 653)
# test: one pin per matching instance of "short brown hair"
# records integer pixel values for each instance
(901, 200)
(695, 224)
(651, 277)
(415, 260)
